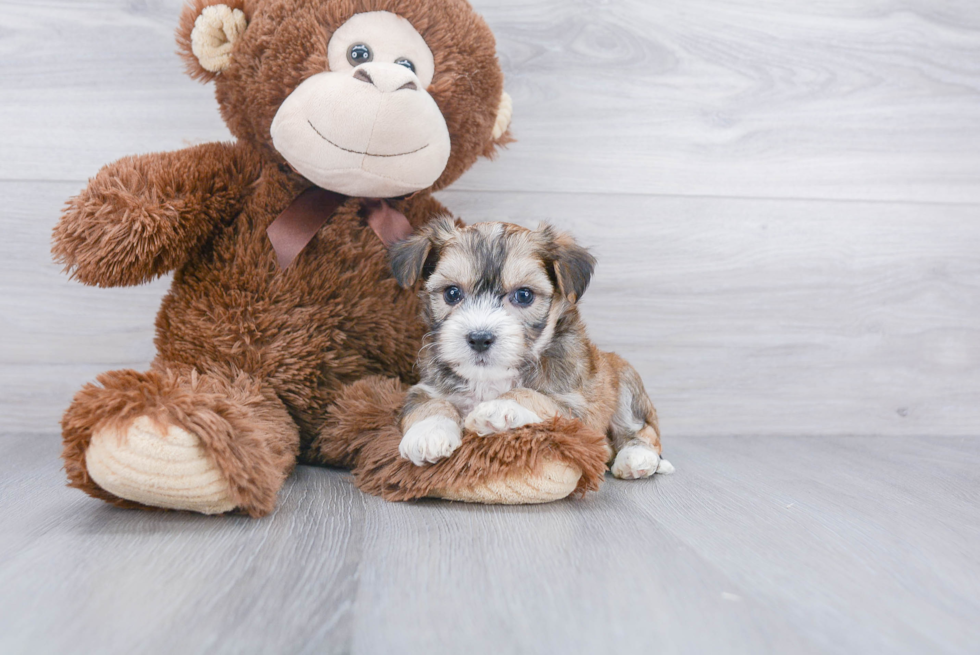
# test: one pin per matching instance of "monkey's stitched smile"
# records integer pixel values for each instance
(358, 152)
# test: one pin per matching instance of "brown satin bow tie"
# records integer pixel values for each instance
(293, 230)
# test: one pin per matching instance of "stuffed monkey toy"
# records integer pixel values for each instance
(284, 337)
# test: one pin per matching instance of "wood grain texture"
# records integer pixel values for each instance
(783, 198)
(867, 100)
(756, 545)
(779, 317)
(835, 99)
(121, 581)
(745, 317)
(85, 83)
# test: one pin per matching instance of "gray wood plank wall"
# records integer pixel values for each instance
(783, 196)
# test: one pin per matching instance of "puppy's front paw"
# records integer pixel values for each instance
(430, 440)
(499, 416)
(638, 460)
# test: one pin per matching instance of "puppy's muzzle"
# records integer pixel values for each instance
(480, 341)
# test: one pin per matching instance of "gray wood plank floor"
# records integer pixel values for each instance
(756, 545)
(784, 200)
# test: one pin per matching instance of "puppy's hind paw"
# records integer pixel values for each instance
(665, 467)
(637, 460)
(499, 416)
(430, 440)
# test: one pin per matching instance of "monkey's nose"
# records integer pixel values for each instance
(363, 75)
(386, 78)
(480, 341)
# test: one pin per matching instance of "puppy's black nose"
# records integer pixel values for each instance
(480, 341)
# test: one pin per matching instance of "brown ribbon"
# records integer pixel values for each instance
(387, 222)
(293, 230)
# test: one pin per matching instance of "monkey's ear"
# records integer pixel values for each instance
(500, 135)
(572, 264)
(505, 111)
(416, 257)
(207, 34)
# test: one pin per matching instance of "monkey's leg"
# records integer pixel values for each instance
(178, 439)
(535, 464)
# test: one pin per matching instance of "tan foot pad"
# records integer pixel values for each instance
(145, 465)
(555, 480)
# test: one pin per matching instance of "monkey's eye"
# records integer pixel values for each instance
(452, 295)
(522, 297)
(406, 63)
(359, 54)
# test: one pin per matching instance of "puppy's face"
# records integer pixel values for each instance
(492, 292)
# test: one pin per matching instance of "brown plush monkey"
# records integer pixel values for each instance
(284, 337)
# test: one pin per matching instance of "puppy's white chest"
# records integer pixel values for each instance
(480, 391)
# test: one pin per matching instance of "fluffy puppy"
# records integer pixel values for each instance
(506, 346)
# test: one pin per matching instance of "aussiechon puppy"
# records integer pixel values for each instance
(506, 346)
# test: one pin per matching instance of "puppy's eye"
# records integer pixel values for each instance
(359, 54)
(452, 295)
(406, 63)
(522, 297)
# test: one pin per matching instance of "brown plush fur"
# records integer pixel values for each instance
(271, 348)
(244, 427)
(363, 432)
(142, 217)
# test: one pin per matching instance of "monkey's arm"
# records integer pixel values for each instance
(141, 217)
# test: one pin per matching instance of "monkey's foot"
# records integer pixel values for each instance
(157, 465)
(555, 480)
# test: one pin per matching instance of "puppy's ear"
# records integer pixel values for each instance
(416, 257)
(572, 264)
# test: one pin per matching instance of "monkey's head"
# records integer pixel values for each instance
(369, 98)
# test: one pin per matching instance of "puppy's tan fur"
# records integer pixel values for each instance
(539, 364)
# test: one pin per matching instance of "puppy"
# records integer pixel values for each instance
(506, 347)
